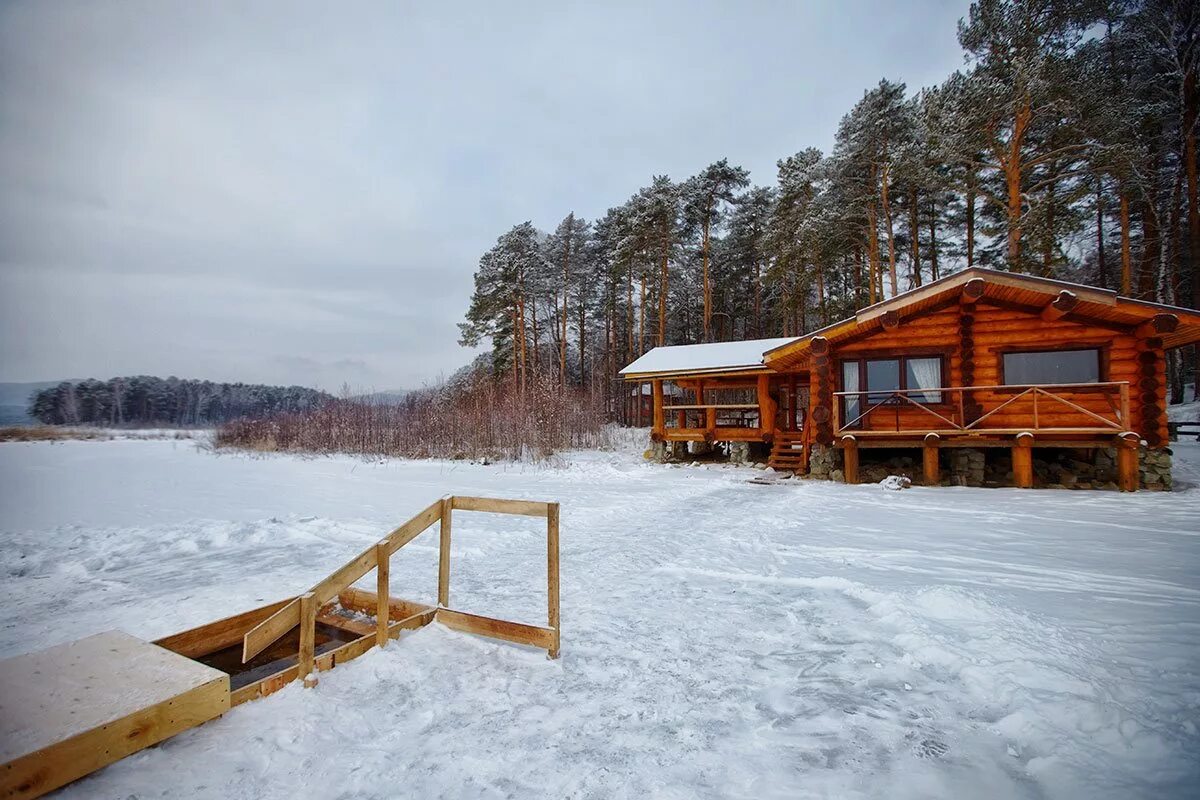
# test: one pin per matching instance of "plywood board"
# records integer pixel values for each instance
(72, 709)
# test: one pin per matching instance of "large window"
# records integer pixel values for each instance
(1052, 366)
(917, 376)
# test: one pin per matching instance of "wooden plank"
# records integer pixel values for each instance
(412, 622)
(213, 636)
(360, 565)
(266, 632)
(382, 593)
(365, 602)
(308, 631)
(355, 626)
(414, 527)
(552, 584)
(519, 633)
(444, 551)
(528, 508)
(72, 709)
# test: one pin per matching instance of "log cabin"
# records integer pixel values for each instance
(980, 365)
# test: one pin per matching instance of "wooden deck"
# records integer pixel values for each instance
(72, 709)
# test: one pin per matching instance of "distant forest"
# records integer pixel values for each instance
(1065, 148)
(147, 400)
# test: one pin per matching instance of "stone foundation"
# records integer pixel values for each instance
(825, 463)
(739, 452)
(966, 466)
(1154, 468)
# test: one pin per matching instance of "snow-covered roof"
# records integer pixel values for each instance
(715, 357)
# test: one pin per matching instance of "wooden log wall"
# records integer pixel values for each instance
(972, 338)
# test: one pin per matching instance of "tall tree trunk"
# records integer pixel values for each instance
(1011, 166)
(970, 217)
(887, 220)
(914, 224)
(1101, 267)
(1191, 113)
(534, 347)
(582, 339)
(872, 251)
(562, 342)
(933, 255)
(662, 297)
(629, 314)
(1148, 269)
(1126, 254)
(757, 298)
(642, 319)
(821, 293)
(704, 256)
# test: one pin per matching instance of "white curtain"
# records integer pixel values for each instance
(852, 403)
(925, 373)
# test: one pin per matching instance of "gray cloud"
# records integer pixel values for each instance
(300, 191)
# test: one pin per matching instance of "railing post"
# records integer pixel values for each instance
(552, 517)
(382, 593)
(1125, 404)
(1035, 408)
(444, 554)
(308, 636)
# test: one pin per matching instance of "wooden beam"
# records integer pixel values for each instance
(214, 636)
(1156, 326)
(365, 602)
(659, 422)
(1060, 306)
(929, 453)
(519, 633)
(972, 291)
(850, 459)
(528, 508)
(382, 593)
(890, 320)
(1022, 461)
(1127, 462)
(308, 633)
(552, 578)
(414, 527)
(444, 553)
(264, 633)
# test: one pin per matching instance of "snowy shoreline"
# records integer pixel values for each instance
(719, 638)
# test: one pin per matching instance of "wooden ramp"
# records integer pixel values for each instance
(80, 706)
(72, 709)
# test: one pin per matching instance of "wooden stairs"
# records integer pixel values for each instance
(790, 451)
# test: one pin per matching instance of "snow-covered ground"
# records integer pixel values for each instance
(720, 639)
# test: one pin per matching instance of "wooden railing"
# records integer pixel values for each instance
(303, 610)
(712, 415)
(948, 414)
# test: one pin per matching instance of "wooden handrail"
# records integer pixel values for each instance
(879, 398)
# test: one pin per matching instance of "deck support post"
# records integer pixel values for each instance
(659, 421)
(850, 459)
(308, 638)
(1127, 461)
(766, 406)
(382, 593)
(1022, 461)
(930, 459)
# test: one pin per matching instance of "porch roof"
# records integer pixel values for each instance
(704, 359)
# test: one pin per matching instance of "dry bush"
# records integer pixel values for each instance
(47, 433)
(479, 418)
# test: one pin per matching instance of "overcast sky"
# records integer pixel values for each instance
(293, 192)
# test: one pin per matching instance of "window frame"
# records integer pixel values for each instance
(1102, 358)
(902, 357)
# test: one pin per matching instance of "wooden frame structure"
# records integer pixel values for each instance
(325, 622)
(964, 327)
(75, 708)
